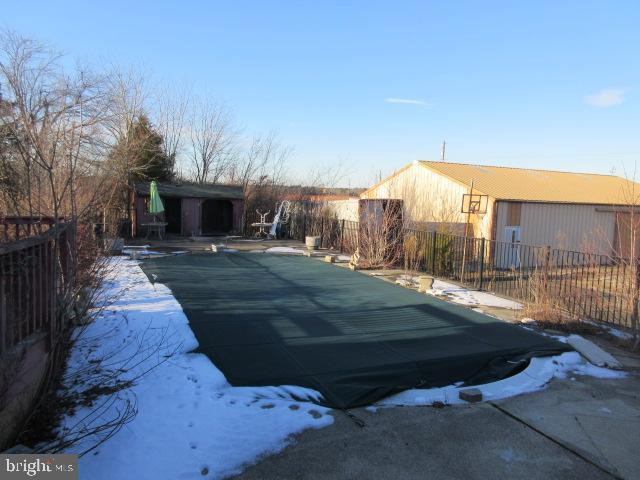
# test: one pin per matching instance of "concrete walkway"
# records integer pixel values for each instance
(581, 428)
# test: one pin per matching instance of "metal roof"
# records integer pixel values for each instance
(193, 190)
(522, 184)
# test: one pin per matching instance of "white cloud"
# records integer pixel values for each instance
(406, 101)
(606, 98)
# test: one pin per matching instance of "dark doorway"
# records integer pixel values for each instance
(173, 214)
(217, 216)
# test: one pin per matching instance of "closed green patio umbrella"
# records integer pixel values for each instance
(155, 204)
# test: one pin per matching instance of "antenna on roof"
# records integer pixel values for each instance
(443, 150)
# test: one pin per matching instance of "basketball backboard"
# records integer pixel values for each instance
(473, 203)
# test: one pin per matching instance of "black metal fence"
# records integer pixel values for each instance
(582, 285)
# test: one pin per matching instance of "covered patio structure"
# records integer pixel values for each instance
(191, 209)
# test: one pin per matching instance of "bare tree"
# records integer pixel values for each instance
(262, 163)
(128, 102)
(626, 246)
(54, 138)
(261, 170)
(212, 139)
(171, 115)
(381, 233)
(53, 130)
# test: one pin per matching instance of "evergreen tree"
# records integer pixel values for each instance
(143, 154)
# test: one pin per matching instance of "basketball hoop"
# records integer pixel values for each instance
(474, 203)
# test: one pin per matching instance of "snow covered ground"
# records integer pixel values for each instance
(461, 295)
(533, 378)
(465, 296)
(190, 423)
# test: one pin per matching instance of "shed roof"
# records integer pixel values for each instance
(192, 190)
(523, 184)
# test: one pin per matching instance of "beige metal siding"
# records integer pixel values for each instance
(344, 209)
(431, 197)
(484, 222)
(428, 196)
(565, 226)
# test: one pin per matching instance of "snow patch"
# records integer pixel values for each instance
(286, 250)
(533, 378)
(613, 331)
(408, 281)
(221, 248)
(189, 418)
(141, 252)
(465, 296)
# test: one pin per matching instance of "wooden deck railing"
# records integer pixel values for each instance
(15, 227)
(34, 273)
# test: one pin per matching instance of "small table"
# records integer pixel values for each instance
(155, 227)
(262, 226)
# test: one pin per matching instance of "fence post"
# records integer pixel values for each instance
(545, 272)
(4, 298)
(481, 263)
(635, 297)
(51, 291)
(433, 252)
(341, 235)
(304, 226)
(63, 254)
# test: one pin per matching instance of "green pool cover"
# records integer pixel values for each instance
(266, 319)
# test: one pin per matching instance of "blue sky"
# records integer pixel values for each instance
(377, 85)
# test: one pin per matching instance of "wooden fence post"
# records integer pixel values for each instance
(341, 235)
(3, 308)
(53, 291)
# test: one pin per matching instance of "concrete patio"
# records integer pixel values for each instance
(579, 428)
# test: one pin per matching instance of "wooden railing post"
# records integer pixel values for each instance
(53, 291)
(4, 298)
(34, 272)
